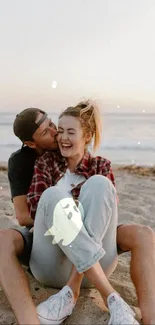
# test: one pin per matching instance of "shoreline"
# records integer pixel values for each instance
(133, 169)
(136, 169)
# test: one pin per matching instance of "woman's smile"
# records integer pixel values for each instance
(65, 147)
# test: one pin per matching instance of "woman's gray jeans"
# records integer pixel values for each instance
(83, 243)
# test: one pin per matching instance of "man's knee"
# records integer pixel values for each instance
(130, 236)
(11, 242)
(145, 234)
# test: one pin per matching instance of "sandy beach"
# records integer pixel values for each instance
(135, 187)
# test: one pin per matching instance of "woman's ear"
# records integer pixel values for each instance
(88, 137)
(30, 144)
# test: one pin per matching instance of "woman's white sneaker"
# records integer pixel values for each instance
(120, 312)
(57, 307)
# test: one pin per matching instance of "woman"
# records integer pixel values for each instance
(85, 232)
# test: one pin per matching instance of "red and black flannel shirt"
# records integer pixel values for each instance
(50, 167)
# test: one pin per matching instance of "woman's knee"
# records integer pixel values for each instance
(52, 195)
(99, 182)
(98, 179)
(50, 192)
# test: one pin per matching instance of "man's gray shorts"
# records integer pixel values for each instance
(28, 239)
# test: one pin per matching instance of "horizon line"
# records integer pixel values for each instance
(102, 113)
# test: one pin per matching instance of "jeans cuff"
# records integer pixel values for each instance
(88, 265)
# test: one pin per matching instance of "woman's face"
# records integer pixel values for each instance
(70, 137)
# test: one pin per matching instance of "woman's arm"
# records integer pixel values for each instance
(107, 171)
(41, 180)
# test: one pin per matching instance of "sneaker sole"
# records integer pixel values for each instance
(46, 321)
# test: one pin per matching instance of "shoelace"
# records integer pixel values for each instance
(122, 310)
(60, 302)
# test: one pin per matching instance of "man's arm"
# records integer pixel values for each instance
(22, 211)
(108, 172)
(20, 171)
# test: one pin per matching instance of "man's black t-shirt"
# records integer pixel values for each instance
(20, 170)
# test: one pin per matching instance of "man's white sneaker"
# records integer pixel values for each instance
(57, 307)
(120, 312)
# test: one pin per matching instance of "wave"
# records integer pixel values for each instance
(6, 123)
(126, 147)
(9, 145)
(140, 169)
(137, 147)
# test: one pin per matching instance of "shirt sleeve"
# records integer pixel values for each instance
(41, 180)
(110, 175)
(107, 170)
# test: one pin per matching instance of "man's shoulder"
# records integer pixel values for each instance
(22, 157)
(23, 153)
(20, 170)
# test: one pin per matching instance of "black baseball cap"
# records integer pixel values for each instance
(25, 123)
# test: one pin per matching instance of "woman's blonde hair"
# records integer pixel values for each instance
(90, 119)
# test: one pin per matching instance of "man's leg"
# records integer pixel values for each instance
(13, 278)
(140, 240)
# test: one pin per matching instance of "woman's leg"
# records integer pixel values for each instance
(83, 242)
(51, 267)
(48, 263)
(98, 199)
(85, 249)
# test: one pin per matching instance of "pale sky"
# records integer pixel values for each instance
(101, 49)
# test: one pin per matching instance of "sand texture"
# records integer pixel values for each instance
(136, 188)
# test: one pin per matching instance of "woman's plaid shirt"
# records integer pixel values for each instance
(50, 167)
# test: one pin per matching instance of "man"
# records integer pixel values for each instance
(37, 132)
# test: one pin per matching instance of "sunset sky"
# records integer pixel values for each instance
(101, 49)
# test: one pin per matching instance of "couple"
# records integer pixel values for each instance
(38, 133)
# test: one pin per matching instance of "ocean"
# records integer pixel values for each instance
(126, 139)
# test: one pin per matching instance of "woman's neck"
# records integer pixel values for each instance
(73, 162)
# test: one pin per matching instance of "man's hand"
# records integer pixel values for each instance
(22, 211)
